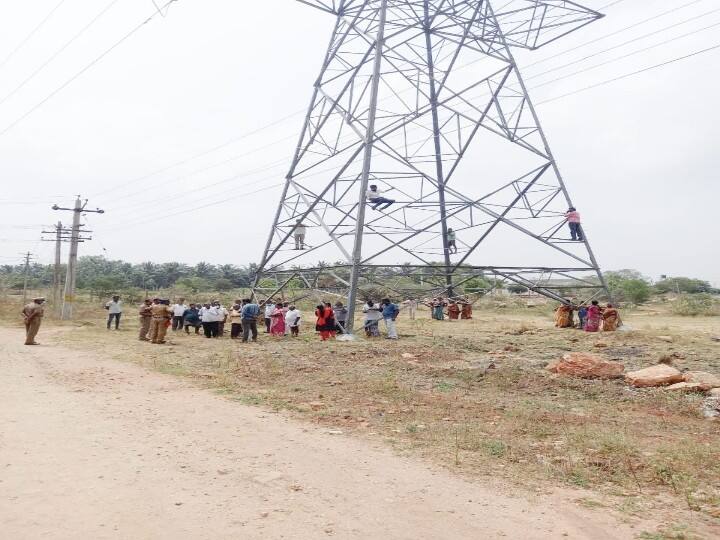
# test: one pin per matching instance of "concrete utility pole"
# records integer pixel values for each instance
(60, 235)
(75, 239)
(27, 256)
(56, 270)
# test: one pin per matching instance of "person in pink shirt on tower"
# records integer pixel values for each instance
(573, 219)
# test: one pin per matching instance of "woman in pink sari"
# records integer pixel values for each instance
(277, 326)
(594, 317)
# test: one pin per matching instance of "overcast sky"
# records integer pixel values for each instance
(213, 93)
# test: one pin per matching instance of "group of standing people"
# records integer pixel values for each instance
(386, 311)
(592, 318)
(157, 316)
(454, 309)
(281, 318)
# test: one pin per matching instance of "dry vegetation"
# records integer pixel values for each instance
(473, 396)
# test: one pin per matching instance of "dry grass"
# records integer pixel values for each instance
(474, 396)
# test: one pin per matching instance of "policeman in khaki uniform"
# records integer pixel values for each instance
(161, 315)
(145, 319)
(33, 314)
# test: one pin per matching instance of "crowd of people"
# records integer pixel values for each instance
(591, 318)
(452, 308)
(280, 319)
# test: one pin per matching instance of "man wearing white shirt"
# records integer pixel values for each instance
(269, 308)
(299, 232)
(202, 311)
(223, 314)
(211, 318)
(114, 308)
(375, 197)
(411, 304)
(179, 310)
(292, 321)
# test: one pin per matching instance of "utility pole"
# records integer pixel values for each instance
(27, 256)
(60, 235)
(75, 239)
(56, 270)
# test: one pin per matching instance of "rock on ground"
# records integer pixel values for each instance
(659, 375)
(586, 366)
(707, 381)
(686, 387)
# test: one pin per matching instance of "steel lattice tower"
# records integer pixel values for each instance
(424, 98)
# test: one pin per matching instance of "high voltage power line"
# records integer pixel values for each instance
(83, 70)
(535, 87)
(57, 53)
(633, 40)
(616, 32)
(628, 55)
(280, 121)
(302, 111)
(636, 72)
(602, 83)
(34, 31)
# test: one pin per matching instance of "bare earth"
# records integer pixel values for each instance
(94, 448)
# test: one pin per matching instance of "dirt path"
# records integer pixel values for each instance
(102, 449)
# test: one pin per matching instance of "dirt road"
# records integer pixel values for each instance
(93, 448)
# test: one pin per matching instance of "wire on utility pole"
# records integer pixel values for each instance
(60, 236)
(79, 208)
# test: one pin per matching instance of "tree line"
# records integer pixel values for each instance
(101, 277)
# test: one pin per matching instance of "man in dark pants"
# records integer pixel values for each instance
(250, 312)
(573, 219)
(114, 308)
(374, 197)
(192, 319)
(179, 310)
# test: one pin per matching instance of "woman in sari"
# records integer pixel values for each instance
(564, 316)
(321, 324)
(611, 319)
(594, 317)
(277, 324)
(453, 311)
(466, 313)
(438, 313)
(330, 318)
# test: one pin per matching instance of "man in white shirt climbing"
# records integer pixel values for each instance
(375, 197)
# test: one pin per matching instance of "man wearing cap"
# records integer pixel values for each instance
(161, 315)
(33, 314)
(145, 319)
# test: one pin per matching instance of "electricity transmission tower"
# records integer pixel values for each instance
(75, 240)
(424, 99)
